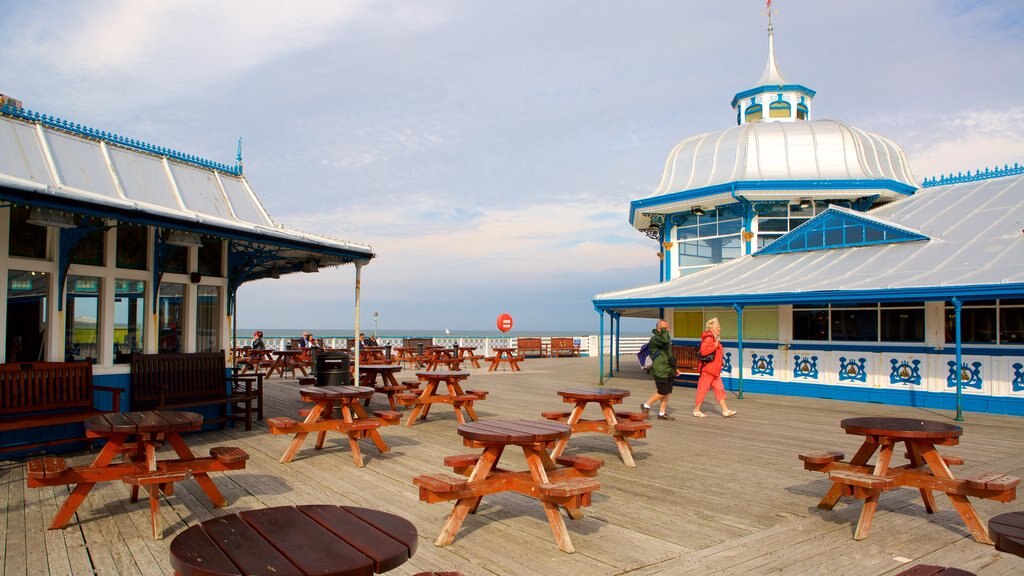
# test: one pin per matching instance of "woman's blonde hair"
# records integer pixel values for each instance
(710, 323)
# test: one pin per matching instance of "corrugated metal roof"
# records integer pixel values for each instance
(56, 165)
(976, 244)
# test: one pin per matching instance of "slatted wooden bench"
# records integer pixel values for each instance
(585, 464)
(556, 415)
(569, 491)
(815, 461)
(39, 394)
(859, 484)
(633, 416)
(994, 486)
(480, 394)
(563, 347)
(154, 483)
(529, 346)
(177, 381)
(632, 429)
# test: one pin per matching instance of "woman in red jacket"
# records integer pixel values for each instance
(711, 372)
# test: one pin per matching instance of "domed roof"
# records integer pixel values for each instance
(811, 150)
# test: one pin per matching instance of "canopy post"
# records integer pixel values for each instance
(359, 275)
(618, 342)
(600, 347)
(739, 360)
(957, 305)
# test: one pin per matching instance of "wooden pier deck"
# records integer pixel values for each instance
(708, 496)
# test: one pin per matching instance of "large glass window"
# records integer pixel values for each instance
(775, 220)
(81, 317)
(26, 315)
(132, 247)
(987, 322)
(710, 238)
(903, 322)
(209, 263)
(25, 240)
(208, 319)
(858, 323)
(170, 311)
(870, 322)
(89, 250)
(129, 318)
(810, 323)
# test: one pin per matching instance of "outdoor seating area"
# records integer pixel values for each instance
(706, 496)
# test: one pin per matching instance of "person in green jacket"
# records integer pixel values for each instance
(663, 370)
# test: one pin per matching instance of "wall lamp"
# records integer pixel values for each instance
(50, 218)
(186, 239)
(697, 211)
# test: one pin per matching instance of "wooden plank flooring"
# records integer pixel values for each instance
(708, 496)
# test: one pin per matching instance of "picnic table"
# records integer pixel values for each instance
(926, 470)
(254, 359)
(468, 354)
(506, 356)
(1007, 530)
(631, 426)
(440, 356)
(287, 360)
(565, 482)
(456, 396)
(293, 540)
(354, 422)
(136, 437)
(389, 386)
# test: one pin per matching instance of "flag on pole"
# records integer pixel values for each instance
(768, 4)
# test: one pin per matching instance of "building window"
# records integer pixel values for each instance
(26, 315)
(81, 313)
(779, 109)
(170, 310)
(810, 322)
(208, 319)
(775, 220)
(132, 247)
(709, 239)
(209, 263)
(897, 322)
(854, 323)
(129, 318)
(902, 322)
(25, 240)
(752, 113)
(89, 250)
(801, 112)
(987, 322)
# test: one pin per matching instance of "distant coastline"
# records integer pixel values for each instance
(411, 333)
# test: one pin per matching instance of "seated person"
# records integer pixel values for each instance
(257, 341)
(364, 341)
(307, 342)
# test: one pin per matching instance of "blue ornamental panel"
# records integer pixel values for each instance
(762, 365)
(1018, 377)
(904, 372)
(805, 367)
(852, 370)
(971, 377)
(727, 363)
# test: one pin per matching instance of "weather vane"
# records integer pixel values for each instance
(768, 11)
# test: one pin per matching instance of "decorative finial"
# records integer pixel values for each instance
(238, 159)
(768, 11)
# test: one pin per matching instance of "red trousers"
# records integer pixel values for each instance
(707, 381)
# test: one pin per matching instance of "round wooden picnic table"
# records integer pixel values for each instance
(1007, 530)
(319, 393)
(311, 539)
(606, 399)
(901, 428)
(517, 432)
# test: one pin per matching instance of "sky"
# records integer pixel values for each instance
(488, 151)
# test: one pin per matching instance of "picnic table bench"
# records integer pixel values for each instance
(926, 470)
(569, 486)
(632, 425)
(458, 398)
(354, 422)
(135, 436)
(530, 346)
(563, 347)
(195, 380)
(39, 394)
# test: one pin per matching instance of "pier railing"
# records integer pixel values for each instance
(589, 345)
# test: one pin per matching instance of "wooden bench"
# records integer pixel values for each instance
(815, 461)
(585, 464)
(556, 415)
(994, 486)
(686, 359)
(39, 394)
(632, 429)
(529, 346)
(177, 381)
(563, 347)
(858, 484)
(634, 416)
(154, 483)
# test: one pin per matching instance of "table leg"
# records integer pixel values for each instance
(574, 417)
(428, 391)
(625, 450)
(540, 476)
(867, 513)
(867, 449)
(464, 506)
(112, 448)
(201, 478)
(916, 460)
(960, 502)
(455, 389)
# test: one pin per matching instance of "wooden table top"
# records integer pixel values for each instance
(287, 540)
(444, 375)
(910, 428)
(1007, 530)
(514, 431)
(511, 349)
(380, 367)
(144, 421)
(315, 393)
(597, 394)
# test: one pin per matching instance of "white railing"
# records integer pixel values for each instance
(589, 345)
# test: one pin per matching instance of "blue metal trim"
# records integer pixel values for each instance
(802, 185)
(772, 89)
(960, 177)
(926, 293)
(831, 218)
(66, 126)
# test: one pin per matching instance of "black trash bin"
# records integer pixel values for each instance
(332, 369)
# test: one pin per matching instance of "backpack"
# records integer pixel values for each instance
(644, 356)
